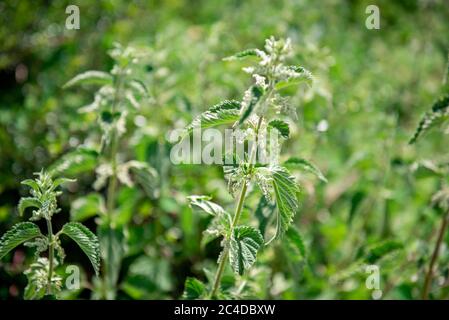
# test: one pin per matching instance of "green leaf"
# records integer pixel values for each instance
(242, 54)
(207, 206)
(225, 112)
(86, 207)
(379, 250)
(193, 289)
(433, 118)
(86, 240)
(286, 193)
(280, 126)
(244, 244)
(31, 183)
(57, 182)
(90, 77)
(303, 75)
(306, 166)
(20, 233)
(28, 202)
(75, 162)
(256, 92)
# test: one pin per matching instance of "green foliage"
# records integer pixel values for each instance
(435, 117)
(42, 279)
(225, 112)
(244, 244)
(90, 77)
(19, 233)
(86, 240)
(281, 126)
(193, 289)
(306, 166)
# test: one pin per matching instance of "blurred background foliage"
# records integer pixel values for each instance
(371, 88)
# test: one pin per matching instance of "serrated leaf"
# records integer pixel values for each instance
(90, 77)
(207, 206)
(242, 54)
(286, 193)
(193, 289)
(256, 93)
(225, 112)
(306, 166)
(19, 233)
(243, 246)
(433, 118)
(303, 75)
(75, 162)
(280, 126)
(86, 240)
(28, 202)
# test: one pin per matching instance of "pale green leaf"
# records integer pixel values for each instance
(306, 166)
(90, 77)
(225, 112)
(28, 202)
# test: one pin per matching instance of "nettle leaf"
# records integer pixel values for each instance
(306, 166)
(433, 118)
(193, 289)
(20, 233)
(255, 93)
(297, 75)
(75, 162)
(207, 206)
(243, 246)
(225, 112)
(90, 77)
(286, 193)
(220, 224)
(280, 126)
(28, 202)
(243, 54)
(86, 240)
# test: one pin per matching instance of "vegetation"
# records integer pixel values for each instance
(77, 104)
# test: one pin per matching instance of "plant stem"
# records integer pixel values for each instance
(237, 214)
(110, 203)
(50, 255)
(436, 251)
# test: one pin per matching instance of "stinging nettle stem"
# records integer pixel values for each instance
(50, 255)
(237, 214)
(436, 252)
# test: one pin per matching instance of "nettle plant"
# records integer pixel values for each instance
(42, 278)
(116, 103)
(261, 110)
(437, 117)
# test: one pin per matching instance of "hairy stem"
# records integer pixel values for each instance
(237, 214)
(51, 248)
(436, 252)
